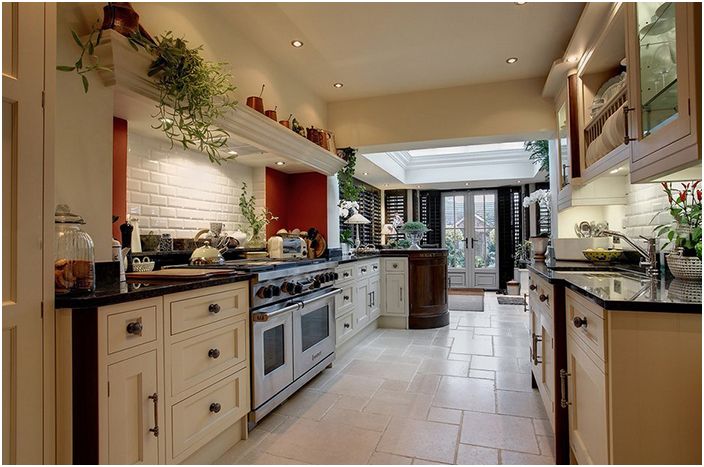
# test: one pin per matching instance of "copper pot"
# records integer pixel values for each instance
(271, 114)
(121, 17)
(285, 123)
(256, 102)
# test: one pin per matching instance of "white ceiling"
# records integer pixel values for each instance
(387, 48)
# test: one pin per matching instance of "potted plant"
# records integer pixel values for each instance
(346, 241)
(414, 231)
(684, 233)
(257, 220)
(540, 241)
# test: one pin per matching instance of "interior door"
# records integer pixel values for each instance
(22, 231)
(469, 231)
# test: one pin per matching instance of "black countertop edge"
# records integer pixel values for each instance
(386, 252)
(662, 306)
(351, 258)
(131, 291)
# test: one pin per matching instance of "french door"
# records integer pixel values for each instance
(469, 232)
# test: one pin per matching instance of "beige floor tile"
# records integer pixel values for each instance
(478, 345)
(417, 461)
(351, 402)
(443, 367)
(492, 332)
(460, 357)
(465, 393)
(503, 351)
(481, 362)
(424, 384)
(439, 414)
(272, 421)
(499, 431)
(444, 341)
(520, 458)
(319, 442)
(308, 403)
(421, 439)
(400, 404)
(542, 427)
(258, 457)
(476, 455)
(513, 381)
(427, 351)
(363, 420)
(482, 374)
(376, 369)
(254, 442)
(521, 340)
(524, 404)
(384, 458)
(546, 444)
(351, 385)
(394, 385)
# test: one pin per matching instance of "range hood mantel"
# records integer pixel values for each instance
(272, 142)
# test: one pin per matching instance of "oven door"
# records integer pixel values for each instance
(272, 353)
(313, 331)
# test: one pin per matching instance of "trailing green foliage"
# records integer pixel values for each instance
(414, 227)
(87, 61)
(539, 153)
(349, 191)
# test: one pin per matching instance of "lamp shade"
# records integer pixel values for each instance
(357, 219)
(388, 229)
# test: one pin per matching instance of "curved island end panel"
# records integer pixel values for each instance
(427, 287)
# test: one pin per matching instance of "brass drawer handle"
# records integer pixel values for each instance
(345, 274)
(395, 265)
(155, 399)
(345, 297)
(213, 353)
(543, 298)
(346, 325)
(533, 287)
(579, 322)
(214, 308)
(563, 389)
(215, 407)
(135, 328)
(534, 353)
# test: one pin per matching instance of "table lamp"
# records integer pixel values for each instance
(356, 220)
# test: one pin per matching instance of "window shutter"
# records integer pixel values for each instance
(395, 203)
(428, 205)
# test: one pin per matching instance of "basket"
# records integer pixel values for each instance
(685, 291)
(685, 267)
(144, 266)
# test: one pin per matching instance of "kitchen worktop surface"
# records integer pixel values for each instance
(387, 252)
(110, 294)
(620, 288)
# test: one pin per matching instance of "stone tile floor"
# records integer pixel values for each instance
(455, 395)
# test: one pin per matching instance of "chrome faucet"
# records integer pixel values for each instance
(650, 255)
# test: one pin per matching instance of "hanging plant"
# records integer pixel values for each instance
(193, 92)
(349, 191)
(539, 153)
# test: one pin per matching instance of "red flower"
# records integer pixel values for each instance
(695, 184)
(699, 195)
(683, 196)
(664, 185)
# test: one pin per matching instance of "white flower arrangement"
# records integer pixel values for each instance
(347, 208)
(541, 197)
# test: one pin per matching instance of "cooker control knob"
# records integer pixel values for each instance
(335, 276)
(264, 292)
(316, 284)
(298, 288)
(330, 276)
(287, 287)
(275, 290)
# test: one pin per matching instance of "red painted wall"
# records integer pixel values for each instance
(299, 200)
(119, 173)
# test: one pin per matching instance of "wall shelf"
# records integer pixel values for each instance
(260, 141)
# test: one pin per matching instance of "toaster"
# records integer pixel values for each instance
(284, 247)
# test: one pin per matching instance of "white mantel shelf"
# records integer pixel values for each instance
(259, 140)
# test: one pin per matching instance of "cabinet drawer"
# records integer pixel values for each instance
(196, 359)
(346, 300)
(541, 289)
(207, 413)
(591, 334)
(131, 328)
(196, 311)
(344, 327)
(345, 272)
(367, 269)
(395, 265)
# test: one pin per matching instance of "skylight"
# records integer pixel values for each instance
(474, 148)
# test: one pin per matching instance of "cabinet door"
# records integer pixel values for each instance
(394, 294)
(661, 57)
(546, 351)
(375, 292)
(131, 412)
(361, 311)
(588, 423)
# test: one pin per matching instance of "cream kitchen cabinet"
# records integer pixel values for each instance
(394, 284)
(359, 304)
(664, 61)
(160, 378)
(633, 385)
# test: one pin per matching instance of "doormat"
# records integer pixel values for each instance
(510, 300)
(465, 302)
(466, 291)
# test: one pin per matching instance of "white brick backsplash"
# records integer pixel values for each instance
(643, 203)
(180, 192)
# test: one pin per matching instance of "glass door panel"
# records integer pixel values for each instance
(315, 327)
(274, 348)
(454, 234)
(484, 234)
(563, 146)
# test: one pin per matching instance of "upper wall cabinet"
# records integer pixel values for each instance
(663, 41)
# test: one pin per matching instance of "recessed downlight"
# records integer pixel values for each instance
(511, 60)
(337, 85)
(365, 173)
(296, 43)
(232, 153)
(280, 163)
(520, 3)
(572, 59)
(466, 184)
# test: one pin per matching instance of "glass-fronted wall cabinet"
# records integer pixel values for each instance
(567, 160)
(664, 56)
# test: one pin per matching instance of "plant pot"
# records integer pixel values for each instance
(345, 249)
(414, 238)
(540, 246)
(256, 241)
(684, 267)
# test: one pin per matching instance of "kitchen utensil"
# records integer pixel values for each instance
(240, 237)
(602, 255)
(143, 264)
(207, 255)
(74, 260)
(136, 243)
(271, 114)
(256, 102)
(117, 256)
(585, 228)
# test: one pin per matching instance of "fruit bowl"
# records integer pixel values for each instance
(602, 255)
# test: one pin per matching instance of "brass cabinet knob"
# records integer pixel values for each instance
(215, 407)
(579, 321)
(213, 353)
(135, 328)
(533, 287)
(214, 308)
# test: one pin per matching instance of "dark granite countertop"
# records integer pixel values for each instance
(386, 252)
(110, 294)
(622, 288)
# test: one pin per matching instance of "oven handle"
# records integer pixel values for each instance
(263, 317)
(320, 297)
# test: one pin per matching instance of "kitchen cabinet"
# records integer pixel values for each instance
(633, 385)
(359, 304)
(664, 58)
(362, 311)
(374, 292)
(161, 378)
(394, 285)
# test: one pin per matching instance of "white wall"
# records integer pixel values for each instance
(180, 192)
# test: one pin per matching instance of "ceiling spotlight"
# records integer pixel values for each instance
(337, 85)
(418, 186)
(297, 44)
(520, 3)
(511, 60)
(365, 173)
(386, 184)
(615, 171)
(466, 184)
(518, 181)
(280, 163)
(572, 59)
(232, 153)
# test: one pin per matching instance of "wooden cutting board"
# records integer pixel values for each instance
(180, 273)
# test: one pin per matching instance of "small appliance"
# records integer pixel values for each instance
(287, 247)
